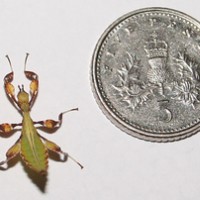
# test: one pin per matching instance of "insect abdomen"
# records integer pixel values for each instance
(33, 151)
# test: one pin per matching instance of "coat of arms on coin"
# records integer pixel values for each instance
(146, 74)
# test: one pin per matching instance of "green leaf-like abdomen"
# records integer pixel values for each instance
(33, 151)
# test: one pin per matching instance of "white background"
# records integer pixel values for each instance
(60, 37)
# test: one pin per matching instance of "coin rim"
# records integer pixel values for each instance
(141, 134)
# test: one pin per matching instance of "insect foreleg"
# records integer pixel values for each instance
(33, 77)
(9, 88)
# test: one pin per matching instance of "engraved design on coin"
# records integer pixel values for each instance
(146, 74)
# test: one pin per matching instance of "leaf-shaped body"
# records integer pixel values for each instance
(33, 151)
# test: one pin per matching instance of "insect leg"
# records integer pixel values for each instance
(55, 148)
(33, 77)
(9, 88)
(12, 152)
(6, 128)
(49, 123)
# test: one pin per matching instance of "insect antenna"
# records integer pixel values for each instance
(25, 62)
(21, 88)
(9, 62)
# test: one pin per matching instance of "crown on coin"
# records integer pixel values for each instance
(156, 48)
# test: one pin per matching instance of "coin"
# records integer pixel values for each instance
(145, 74)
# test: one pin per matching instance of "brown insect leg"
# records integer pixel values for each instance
(6, 128)
(12, 152)
(49, 123)
(55, 148)
(9, 88)
(33, 77)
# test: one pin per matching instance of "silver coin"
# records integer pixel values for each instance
(146, 74)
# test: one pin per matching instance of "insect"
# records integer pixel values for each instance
(31, 146)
